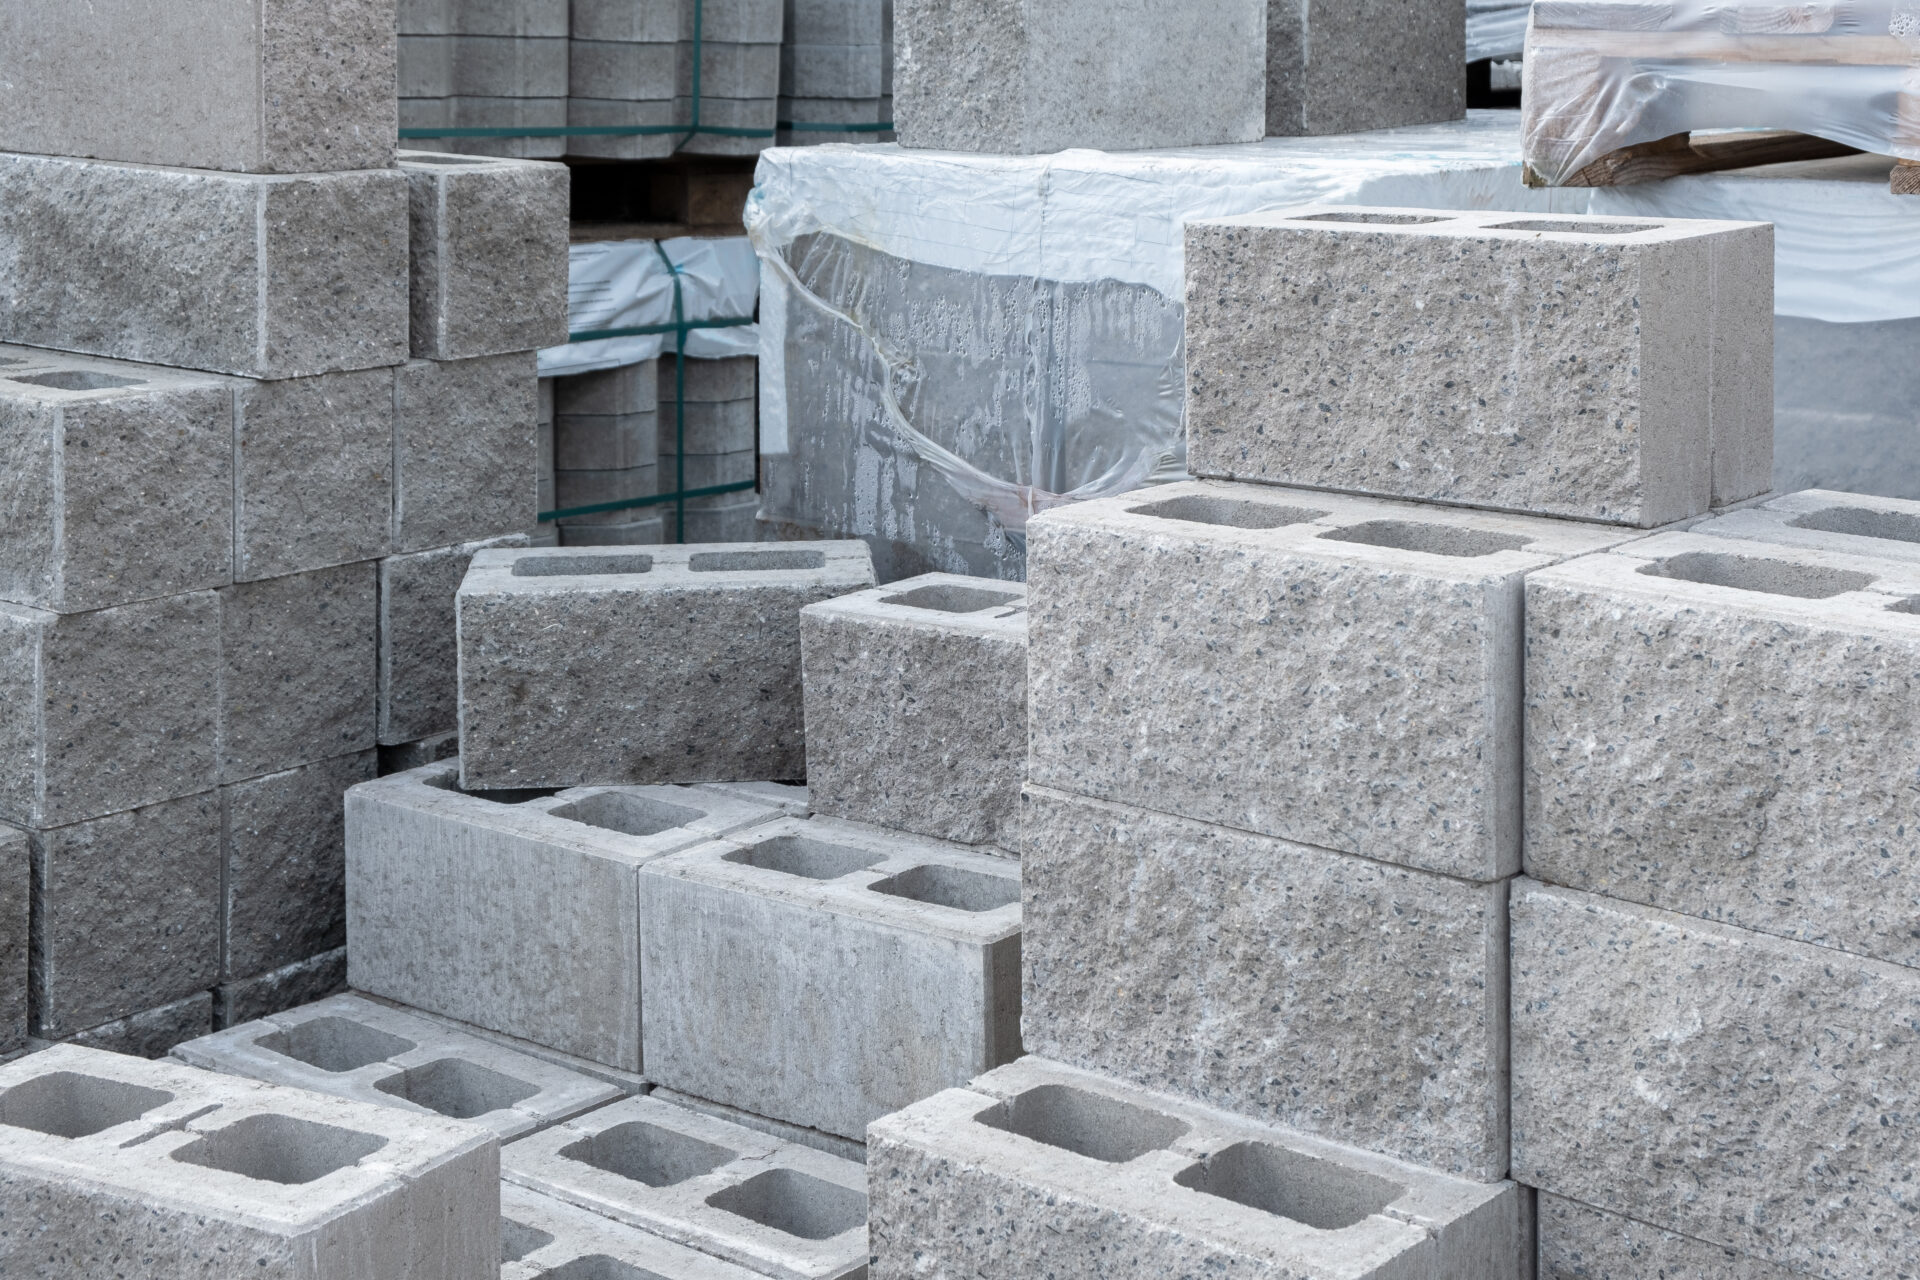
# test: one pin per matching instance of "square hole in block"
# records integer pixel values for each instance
(1288, 1184)
(755, 561)
(1234, 513)
(335, 1044)
(648, 1153)
(1891, 526)
(504, 795)
(581, 566)
(805, 857)
(1752, 573)
(457, 1088)
(629, 814)
(517, 1240)
(796, 1203)
(1578, 228)
(1433, 539)
(951, 598)
(599, 1266)
(282, 1149)
(77, 380)
(1086, 1124)
(1376, 219)
(954, 887)
(68, 1104)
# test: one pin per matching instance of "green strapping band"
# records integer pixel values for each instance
(738, 486)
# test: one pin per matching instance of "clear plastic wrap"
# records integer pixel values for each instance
(1496, 28)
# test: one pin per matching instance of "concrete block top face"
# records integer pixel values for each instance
(1339, 671)
(261, 86)
(1824, 520)
(542, 1236)
(1559, 366)
(351, 1047)
(790, 799)
(776, 1208)
(1175, 1177)
(610, 572)
(941, 602)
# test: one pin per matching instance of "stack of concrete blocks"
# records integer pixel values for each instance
(606, 449)
(836, 68)
(716, 407)
(485, 64)
(738, 43)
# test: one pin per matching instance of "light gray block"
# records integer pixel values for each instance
(836, 22)
(575, 489)
(646, 532)
(489, 251)
(735, 21)
(709, 381)
(1578, 1242)
(509, 66)
(299, 669)
(480, 906)
(288, 987)
(351, 1047)
(1230, 969)
(1346, 66)
(606, 442)
(471, 112)
(832, 71)
(426, 66)
(624, 21)
(728, 517)
(833, 1144)
(605, 113)
(916, 702)
(1822, 520)
(789, 968)
(108, 1157)
(151, 1032)
(419, 692)
(542, 1236)
(727, 426)
(1722, 728)
(117, 480)
(623, 70)
(630, 389)
(270, 277)
(791, 800)
(708, 470)
(16, 885)
(780, 1210)
(1342, 672)
(761, 115)
(508, 17)
(464, 466)
(273, 86)
(707, 641)
(1738, 1088)
(1038, 1169)
(730, 69)
(1564, 366)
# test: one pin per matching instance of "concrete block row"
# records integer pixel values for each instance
(543, 1236)
(483, 17)
(484, 66)
(703, 426)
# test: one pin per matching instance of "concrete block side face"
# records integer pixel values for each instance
(328, 72)
(506, 283)
(960, 75)
(1676, 305)
(64, 1239)
(22, 711)
(259, 995)
(1742, 365)
(16, 882)
(463, 450)
(541, 1235)
(1344, 67)
(419, 690)
(32, 568)
(151, 1033)
(334, 255)
(1578, 1242)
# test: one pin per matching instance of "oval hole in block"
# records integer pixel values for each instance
(457, 1088)
(755, 561)
(1890, 526)
(949, 598)
(1289, 1184)
(335, 1044)
(1752, 573)
(804, 857)
(1234, 513)
(1087, 1124)
(1433, 539)
(953, 887)
(647, 1153)
(77, 380)
(282, 1149)
(67, 1104)
(1377, 219)
(795, 1203)
(1578, 228)
(630, 815)
(581, 566)
(598, 1266)
(517, 1240)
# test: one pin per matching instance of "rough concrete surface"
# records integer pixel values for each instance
(1344, 66)
(1579, 1242)
(463, 450)
(419, 686)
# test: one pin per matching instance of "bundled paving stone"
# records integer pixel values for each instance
(836, 68)
(485, 64)
(605, 450)
(715, 407)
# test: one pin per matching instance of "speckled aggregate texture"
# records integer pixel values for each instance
(464, 466)
(151, 1032)
(1579, 1242)
(1748, 1091)
(419, 686)
(16, 877)
(1565, 366)
(1344, 66)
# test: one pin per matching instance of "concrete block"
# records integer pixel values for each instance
(479, 906)
(632, 388)
(285, 888)
(106, 711)
(16, 884)
(788, 968)
(916, 702)
(837, 22)
(118, 481)
(1720, 728)
(605, 113)
(730, 69)
(1222, 967)
(509, 66)
(854, 1149)
(728, 517)
(508, 17)
(726, 426)
(709, 637)
(1824, 520)
(426, 66)
(1565, 366)
(709, 381)
(351, 1047)
(831, 71)
(782, 1211)
(647, 532)
(463, 450)
(489, 251)
(1342, 672)
(542, 1236)
(266, 276)
(624, 21)
(1745, 1090)
(1037, 1169)
(107, 1157)
(623, 70)
(288, 987)
(1579, 1242)
(631, 1083)
(709, 470)
(576, 489)
(1337, 66)
(419, 694)
(791, 800)
(151, 1032)
(606, 442)
(274, 87)
(758, 114)
(471, 112)
(298, 669)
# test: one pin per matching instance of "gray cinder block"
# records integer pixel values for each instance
(542, 1236)
(266, 276)
(509, 66)
(1724, 728)
(16, 881)
(108, 1157)
(1037, 1169)
(606, 442)
(709, 381)
(1344, 66)
(1742, 1089)
(351, 1047)
(463, 450)
(1579, 1242)
(706, 641)
(271, 86)
(979, 75)
(916, 700)
(1342, 672)
(573, 490)
(780, 1210)
(1614, 369)
(489, 254)
(151, 1032)
(479, 906)
(924, 941)
(419, 692)
(313, 472)
(833, 1144)
(239, 1000)
(1223, 967)
(1823, 520)
(728, 426)
(790, 799)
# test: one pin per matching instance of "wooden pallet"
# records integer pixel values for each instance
(1685, 153)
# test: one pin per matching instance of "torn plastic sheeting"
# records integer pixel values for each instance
(624, 284)
(1496, 28)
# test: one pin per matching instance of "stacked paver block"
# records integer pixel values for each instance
(606, 449)
(739, 82)
(546, 533)
(610, 665)
(1343, 66)
(719, 418)
(836, 68)
(485, 64)
(625, 74)
(542, 1236)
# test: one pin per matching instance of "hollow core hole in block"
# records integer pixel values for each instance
(1375, 219)
(755, 561)
(1433, 539)
(954, 887)
(1890, 526)
(282, 1149)
(77, 380)
(517, 1240)
(1752, 573)
(805, 857)
(581, 566)
(1578, 228)
(457, 1088)
(795, 1203)
(949, 598)
(598, 1266)
(1289, 1184)
(335, 1044)
(648, 1154)
(1087, 1124)
(504, 795)
(629, 814)
(1234, 513)
(1910, 605)
(68, 1104)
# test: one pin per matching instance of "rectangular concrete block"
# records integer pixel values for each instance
(265, 276)
(709, 381)
(151, 1032)
(313, 462)
(419, 693)
(1579, 1242)
(542, 1236)
(107, 1157)
(728, 517)
(1342, 672)
(916, 706)
(1345, 66)
(1824, 520)
(782, 1211)
(464, 466)
(709, 639)
(1038, 1169)
(606, 442)
(1224, 967)
(479, 906)
(1742, 1089)
(1722, 728)
(728, 426)
(351, 1047)
(16, 897)
(509, 66)
(1565, 366)
(241, 1000)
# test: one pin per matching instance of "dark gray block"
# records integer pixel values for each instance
(464, 466)
(288, 987)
